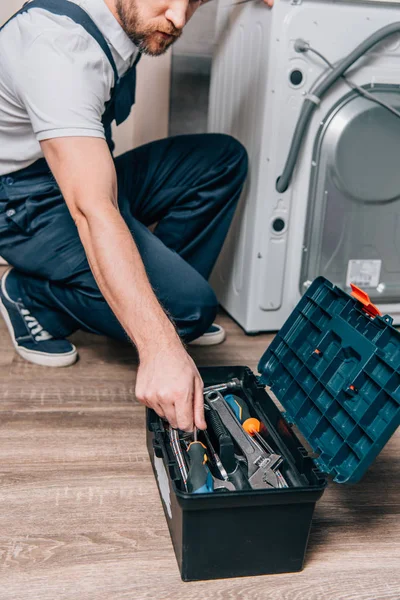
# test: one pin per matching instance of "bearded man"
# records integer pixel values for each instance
(75, 221)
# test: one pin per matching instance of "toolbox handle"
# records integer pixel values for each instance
(368, 306)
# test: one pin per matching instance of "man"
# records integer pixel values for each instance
(74, 222)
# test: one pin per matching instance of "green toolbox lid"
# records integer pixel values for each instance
(335, 368)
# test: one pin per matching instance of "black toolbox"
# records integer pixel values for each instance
(335, 367)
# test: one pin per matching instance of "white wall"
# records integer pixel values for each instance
(150, 115)
(198, 37)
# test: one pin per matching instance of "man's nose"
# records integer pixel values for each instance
(177, 13)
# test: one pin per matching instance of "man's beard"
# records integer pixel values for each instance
(145, 38)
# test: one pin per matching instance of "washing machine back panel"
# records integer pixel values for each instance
(353, 222)
(257, 90)
(313, 21)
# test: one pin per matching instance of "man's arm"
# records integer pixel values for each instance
(167, 380)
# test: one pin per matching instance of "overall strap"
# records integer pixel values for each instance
(77, 14)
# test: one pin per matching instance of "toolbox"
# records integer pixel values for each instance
(335, 368)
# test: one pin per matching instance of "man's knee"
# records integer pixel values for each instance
(208, 309)
(233, 151)
(201, 312)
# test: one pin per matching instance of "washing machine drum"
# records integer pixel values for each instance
(353, 222)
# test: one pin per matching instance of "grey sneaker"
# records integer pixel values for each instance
(213, 336)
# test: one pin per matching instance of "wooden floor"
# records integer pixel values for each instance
(80, 515)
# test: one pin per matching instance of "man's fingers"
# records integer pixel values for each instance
(269, 3)
(170, 415)
(184, 410)
(160, 411)
(198, 404)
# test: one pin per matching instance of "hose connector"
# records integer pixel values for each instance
(301, 45)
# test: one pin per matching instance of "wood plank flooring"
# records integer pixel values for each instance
(80, 515)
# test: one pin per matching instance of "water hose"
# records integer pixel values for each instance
(313, 99)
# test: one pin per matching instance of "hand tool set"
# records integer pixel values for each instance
(239, 497)
(246, 463)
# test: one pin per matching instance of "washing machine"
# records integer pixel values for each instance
(312, 90)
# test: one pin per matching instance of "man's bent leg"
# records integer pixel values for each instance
(190, 186)
(183, 293)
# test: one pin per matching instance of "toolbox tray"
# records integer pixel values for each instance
(334, 366)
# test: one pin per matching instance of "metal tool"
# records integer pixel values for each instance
(200, 479)
(215, 456)
(214, 482)
(260, 465)
(252, 426)
(220, 484)
(233, 467)
(264, 445)
(233, 384)
(177, 450)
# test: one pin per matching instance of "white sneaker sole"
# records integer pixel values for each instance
(38, 358)
(210, 339)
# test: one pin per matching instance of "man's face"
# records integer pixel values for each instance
(153, 25)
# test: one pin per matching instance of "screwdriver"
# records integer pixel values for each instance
(253, 428)
(199, 479)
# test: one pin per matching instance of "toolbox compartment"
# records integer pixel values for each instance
(335, 367)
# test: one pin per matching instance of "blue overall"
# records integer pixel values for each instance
(188, 185)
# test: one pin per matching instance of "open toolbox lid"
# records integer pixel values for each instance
(335, 368)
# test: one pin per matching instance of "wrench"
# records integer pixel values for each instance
(233, 384)
(260, 464)
(215, 456)
(222, 485)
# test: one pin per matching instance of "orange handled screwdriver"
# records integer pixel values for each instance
(253, 428)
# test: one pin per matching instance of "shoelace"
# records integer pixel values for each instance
(39, 334)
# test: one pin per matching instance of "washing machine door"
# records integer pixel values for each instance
(353, 220)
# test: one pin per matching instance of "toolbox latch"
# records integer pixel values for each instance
(368, 306)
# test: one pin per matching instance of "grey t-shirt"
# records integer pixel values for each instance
(55, 80)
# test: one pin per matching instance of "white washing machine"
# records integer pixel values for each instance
(335, 211)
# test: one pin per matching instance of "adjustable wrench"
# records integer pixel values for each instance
(260, 464)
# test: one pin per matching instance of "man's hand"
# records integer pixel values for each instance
(169, 383)
(269, 3)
